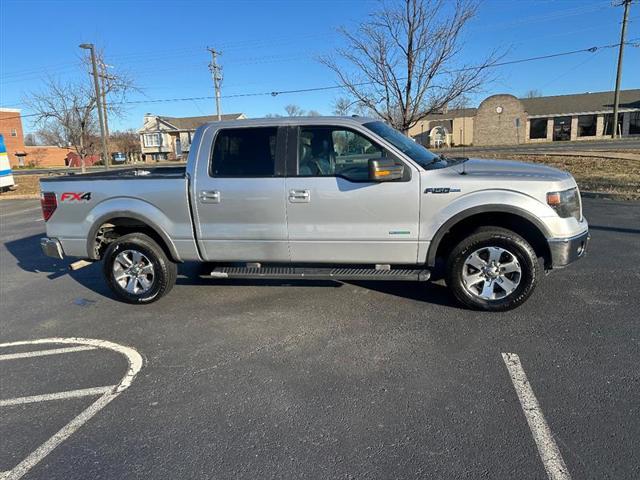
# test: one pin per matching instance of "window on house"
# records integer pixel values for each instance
(537, 128)
(244, 152)
(608, 124)
(634, 123)
(14, 132)
(152, 139)
(586, 125)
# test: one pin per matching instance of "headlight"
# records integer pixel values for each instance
(566, 203)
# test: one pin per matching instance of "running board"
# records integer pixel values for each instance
(296, 273)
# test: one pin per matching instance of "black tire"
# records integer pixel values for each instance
(164, 272)
(515, 245)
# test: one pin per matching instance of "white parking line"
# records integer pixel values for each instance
(547, 447)
(109, 394)
(39, 353)
(84, 392)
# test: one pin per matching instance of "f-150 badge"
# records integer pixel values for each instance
(442, 190)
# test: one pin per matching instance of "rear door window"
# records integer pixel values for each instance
(244, 152)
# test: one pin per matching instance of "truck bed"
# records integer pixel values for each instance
(158, 197)
(121, 174)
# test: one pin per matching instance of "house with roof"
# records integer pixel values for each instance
(169, 138)
(507, 120)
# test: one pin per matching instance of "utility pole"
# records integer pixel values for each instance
(216, 74)
(96, 84)
(104, 77)
(616, 98)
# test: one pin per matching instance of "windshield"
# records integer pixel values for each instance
(403, 143)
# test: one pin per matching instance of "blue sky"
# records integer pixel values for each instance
(274, 45)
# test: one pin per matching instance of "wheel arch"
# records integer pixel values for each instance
(122, 223)
(507, 216)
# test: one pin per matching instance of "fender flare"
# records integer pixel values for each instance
(93, 231)
(464, 214)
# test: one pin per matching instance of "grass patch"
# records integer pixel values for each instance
(593, 174)
(25, 185)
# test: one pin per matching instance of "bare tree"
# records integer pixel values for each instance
(30, 139)
(293, 111)
(65, 115)
(403, 63)
(342, 106)
(66, 112)
(533, 93)
(127, 142)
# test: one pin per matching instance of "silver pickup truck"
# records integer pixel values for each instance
(321, 198)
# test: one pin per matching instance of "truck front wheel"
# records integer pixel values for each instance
(493, 269)
(137, 269)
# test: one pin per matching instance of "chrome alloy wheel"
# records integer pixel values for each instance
(133, 271)
(491, 273)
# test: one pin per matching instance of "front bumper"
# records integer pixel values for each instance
(567, 250)
(51, 247)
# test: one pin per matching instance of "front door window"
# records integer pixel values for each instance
(335, 152)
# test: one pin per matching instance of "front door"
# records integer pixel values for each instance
(239, 201)
(335, 214)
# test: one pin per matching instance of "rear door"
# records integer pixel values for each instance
(334, 213)
(239, 200)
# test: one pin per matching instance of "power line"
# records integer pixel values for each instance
(334, 87)
(275, 93)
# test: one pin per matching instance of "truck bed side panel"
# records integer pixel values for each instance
(159, 202)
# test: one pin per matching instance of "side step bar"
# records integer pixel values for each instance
(296, 273)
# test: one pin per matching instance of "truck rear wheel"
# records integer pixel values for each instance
(493, 269)
(137, 269)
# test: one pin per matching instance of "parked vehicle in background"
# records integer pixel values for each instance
(6, 174)
(321, 197)
(118, 157)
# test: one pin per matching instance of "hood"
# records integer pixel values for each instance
(510, 169)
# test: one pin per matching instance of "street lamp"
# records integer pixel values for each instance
(96, 84)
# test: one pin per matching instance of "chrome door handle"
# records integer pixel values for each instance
(210, 196)
(299, 196)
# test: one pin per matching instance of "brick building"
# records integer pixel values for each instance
(47, 156)
(507, 120)
(11, 130)
(21, 155)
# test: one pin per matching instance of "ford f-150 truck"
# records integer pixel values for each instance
(320, 198)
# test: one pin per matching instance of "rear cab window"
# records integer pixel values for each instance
(244, 152)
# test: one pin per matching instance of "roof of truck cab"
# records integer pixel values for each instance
(279, 121)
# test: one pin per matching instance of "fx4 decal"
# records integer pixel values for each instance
(442, 190)
(75, 197)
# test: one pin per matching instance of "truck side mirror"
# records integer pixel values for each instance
(385, 170)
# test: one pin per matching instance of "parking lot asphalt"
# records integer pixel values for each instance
(325, 380)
